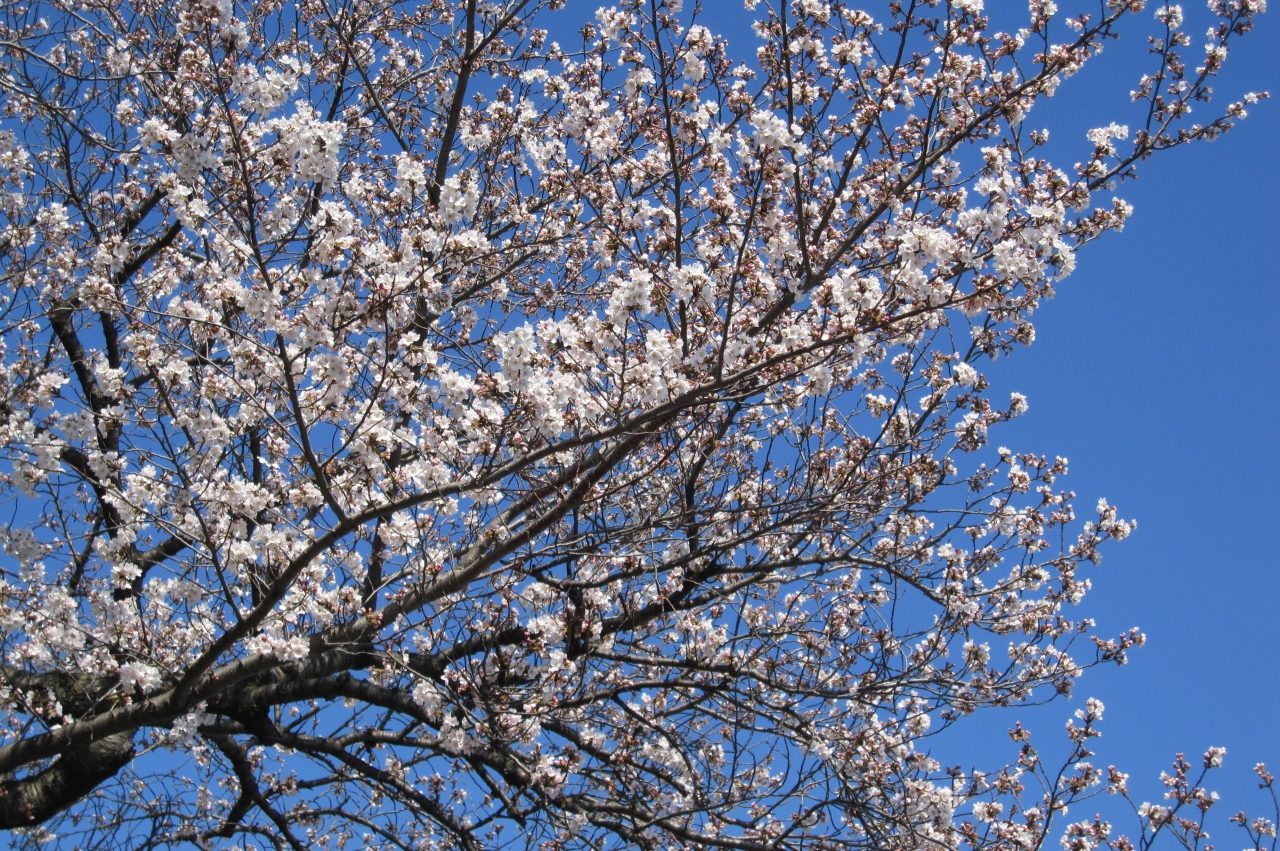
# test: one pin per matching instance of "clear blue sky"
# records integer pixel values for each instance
(1155, 373)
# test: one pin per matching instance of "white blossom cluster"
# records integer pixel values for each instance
(429, 435)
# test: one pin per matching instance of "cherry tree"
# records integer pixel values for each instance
(424, 432)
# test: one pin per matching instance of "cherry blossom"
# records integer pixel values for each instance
(421, 431)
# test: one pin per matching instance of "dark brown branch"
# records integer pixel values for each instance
(76, 773)
(249, 793)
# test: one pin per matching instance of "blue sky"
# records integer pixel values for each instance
(1155, 372)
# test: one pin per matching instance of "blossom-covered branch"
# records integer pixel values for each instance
(427, 431)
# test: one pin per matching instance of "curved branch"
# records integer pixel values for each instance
(76, 773)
